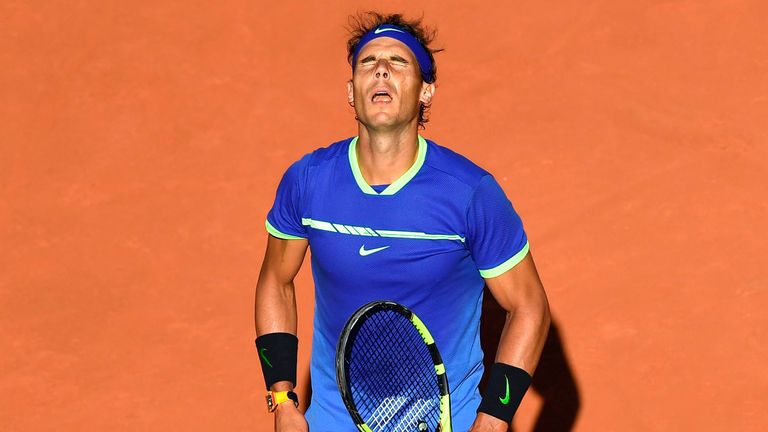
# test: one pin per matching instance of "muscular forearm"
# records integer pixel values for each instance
(522, 340)
(275, 312)
(275, 306)
(525, 331)
(275, 309)
(520, 292)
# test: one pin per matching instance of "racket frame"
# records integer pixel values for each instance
(343, 348)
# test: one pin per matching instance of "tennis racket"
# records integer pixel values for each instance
(390, 373)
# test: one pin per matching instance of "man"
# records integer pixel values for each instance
(392, 216)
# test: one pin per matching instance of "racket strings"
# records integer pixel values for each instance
(394, 384)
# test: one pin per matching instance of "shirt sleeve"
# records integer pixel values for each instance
(495, 234)
(284, 219)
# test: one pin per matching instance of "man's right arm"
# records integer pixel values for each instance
(275, 310)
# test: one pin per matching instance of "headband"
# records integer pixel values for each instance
(394, 32)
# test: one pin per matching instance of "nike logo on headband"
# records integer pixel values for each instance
(382, 30)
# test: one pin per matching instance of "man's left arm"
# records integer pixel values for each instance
(520, 292)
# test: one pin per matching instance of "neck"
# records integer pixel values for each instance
(384, 156)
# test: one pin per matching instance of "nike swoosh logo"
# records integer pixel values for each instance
(506, 397)
(382, 30)
(366, 252)
(261, 353)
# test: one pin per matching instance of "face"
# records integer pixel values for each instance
(386, 88)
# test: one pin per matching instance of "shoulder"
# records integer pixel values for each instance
(321, 156)
(455, 165)
(328, 154)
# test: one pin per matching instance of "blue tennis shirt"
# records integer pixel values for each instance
(426, 241)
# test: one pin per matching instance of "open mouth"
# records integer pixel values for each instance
(382, 96)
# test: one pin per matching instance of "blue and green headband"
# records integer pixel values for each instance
(394, 32)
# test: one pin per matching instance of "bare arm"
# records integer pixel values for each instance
(275, 310)
(520, 292)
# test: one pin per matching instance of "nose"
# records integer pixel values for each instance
(382, 69)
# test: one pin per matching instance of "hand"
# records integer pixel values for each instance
(486, 423)
(288, 418)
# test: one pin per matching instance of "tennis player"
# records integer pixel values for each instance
(390, 215)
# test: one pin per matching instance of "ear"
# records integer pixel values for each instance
(350, 93)
(427, 92)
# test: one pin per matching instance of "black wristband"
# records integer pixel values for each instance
(506, 387)
(277, 353)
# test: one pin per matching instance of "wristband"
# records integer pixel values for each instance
(277, 353)
(505, 390)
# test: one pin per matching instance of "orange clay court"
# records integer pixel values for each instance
(142, 143)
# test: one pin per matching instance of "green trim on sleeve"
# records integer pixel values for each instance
(272, 230)
(506, 265)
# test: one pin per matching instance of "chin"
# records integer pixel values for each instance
(380, 119)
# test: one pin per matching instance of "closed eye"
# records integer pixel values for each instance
(398, 59)
(368, 59)
(394, 59)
